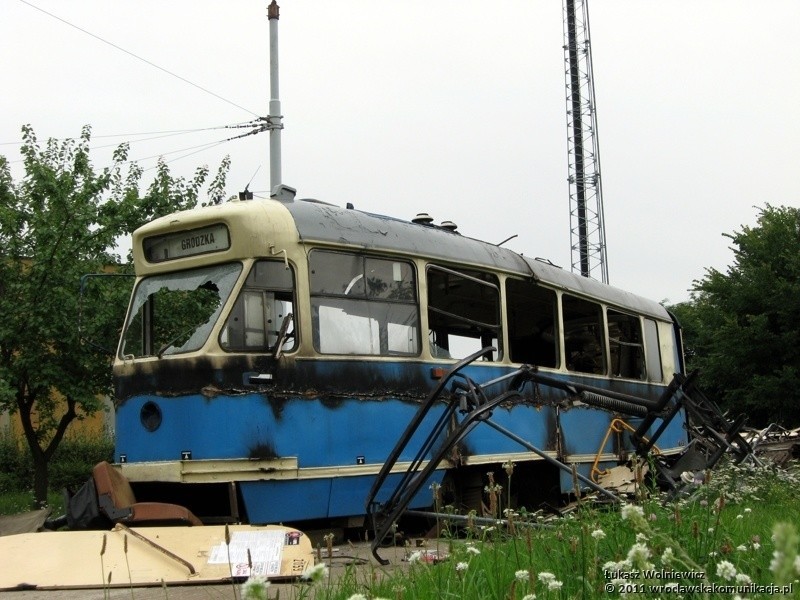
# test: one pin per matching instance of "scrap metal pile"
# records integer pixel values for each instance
(468, 404)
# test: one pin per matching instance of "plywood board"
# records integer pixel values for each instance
(146, 556)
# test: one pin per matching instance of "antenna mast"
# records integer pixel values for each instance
(587, 225)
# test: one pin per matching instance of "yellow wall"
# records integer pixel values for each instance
(100, 423)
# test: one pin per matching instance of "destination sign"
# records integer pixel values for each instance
(181, 244)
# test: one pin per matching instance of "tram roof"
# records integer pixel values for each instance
(321, 222)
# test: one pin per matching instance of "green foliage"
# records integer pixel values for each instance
(718, 535)
(742, 327)
(58, 223)
(70, 466)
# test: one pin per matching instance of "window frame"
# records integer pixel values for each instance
(469, 275)
(602, 337)
(368, 297)
(264, 291)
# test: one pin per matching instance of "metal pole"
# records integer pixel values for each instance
(477, 520)
(550, 459)
(274, 121)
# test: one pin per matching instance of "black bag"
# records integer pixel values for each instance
(83, 511)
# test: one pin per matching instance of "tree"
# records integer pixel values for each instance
(742, 327)
(59, 223)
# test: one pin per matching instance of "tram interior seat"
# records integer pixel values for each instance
(117, 501)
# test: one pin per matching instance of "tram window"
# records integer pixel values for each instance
(654, 371)
(583, 335)
(463, 312)
(175, 312)
(532, 323)
(363, 305)
(264, 303)
(625, 345)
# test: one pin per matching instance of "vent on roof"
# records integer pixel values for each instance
(422, 219)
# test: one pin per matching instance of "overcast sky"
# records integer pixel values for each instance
(455, 108)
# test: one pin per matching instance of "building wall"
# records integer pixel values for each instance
(100, 423)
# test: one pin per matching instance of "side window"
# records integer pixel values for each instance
(625, 345)
(654, 371)
(532, 323)
(264, 304)
(583, 335)
(463, 312)
(363, 305)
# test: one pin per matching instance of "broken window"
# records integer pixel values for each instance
(463, 312)
(363, 305)
(264, 307)
(583, 335)
(625, 345)
(654, 371)
(532, 323)
(175, 312)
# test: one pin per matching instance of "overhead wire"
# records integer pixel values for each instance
(199, 148)
(137, 57)
(256, 126)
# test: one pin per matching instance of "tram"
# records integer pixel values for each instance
(274, 351)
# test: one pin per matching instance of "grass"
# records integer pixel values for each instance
(736, 532)
(735, 536)
(12, 503)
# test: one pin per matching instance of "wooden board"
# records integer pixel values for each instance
(148, 556)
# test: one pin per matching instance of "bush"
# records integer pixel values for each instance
(73, 461)
(16, 467)
(70, 466)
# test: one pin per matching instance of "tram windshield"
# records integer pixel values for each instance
(175, 312)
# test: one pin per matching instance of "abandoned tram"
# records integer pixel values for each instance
(276, 352)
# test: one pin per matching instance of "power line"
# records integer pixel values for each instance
(144, 60)
(157, 134)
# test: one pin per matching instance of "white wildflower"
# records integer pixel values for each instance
(473, 550)
(255, 588)
(757, 546)
(598, 534)
(554, 585)
(777, 559)
(726, 570)
(529, 597)
(632, 512)
(522, 575)
(748, 510)
(743, 579)
(462, 566)
(668, 556)
(796, 563)
(546, 577)
(641, 538)
(316, 573)
(357, 597)
(638, 553)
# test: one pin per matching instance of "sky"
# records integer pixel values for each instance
(452, 107)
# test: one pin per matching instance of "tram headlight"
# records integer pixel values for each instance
(150, 415)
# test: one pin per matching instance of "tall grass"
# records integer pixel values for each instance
(735, 536)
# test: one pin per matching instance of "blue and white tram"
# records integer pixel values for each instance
(274, 351)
